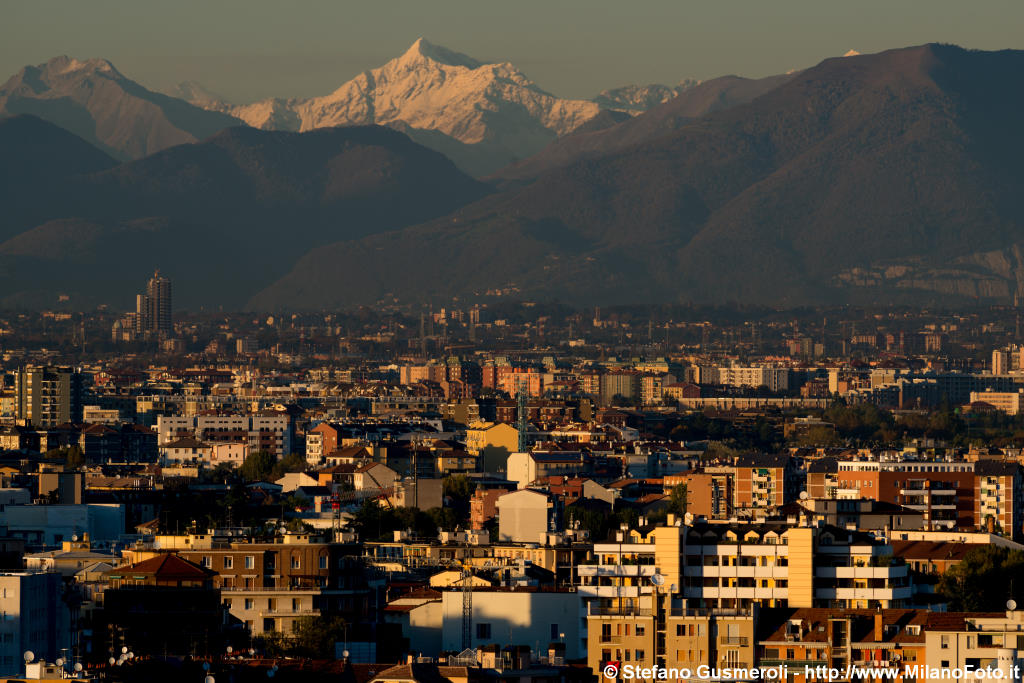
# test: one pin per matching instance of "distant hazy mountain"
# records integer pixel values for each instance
(886, 177)
(36, 160)
(635, 99)
(483, 116)
(224, 217)
(691, 102)
(97, 103)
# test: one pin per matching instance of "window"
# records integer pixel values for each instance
(554, 631)
(295, 562)
(483, 631)
(228, 562)
(249, 603)
(207, 562)
(639, 655)
(640, 629)
(250, 562)
(945, 645)
(323, 562)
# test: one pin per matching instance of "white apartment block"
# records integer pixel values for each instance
(273, 433)
(32, 617)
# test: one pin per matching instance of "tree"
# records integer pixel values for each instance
(258, 466)
(984, 579)
(292, 463)
(74, 459)
(817, 436)
(312, 637)
(458, 486)
(443, 518)
(677, 500)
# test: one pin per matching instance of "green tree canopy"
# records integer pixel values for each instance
(259, 466)
(985, 579)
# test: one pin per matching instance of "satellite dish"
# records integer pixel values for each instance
(657, 579)
(60, 661)
(29, 655)
(206, 666)
(230, 649)
(688, 518)
(344, 655)
(131, 655)
(111, 661)
(803, 495)
(124, 650)
(78, 666)
(1011, 604)
(210, 679)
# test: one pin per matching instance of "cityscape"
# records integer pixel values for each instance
(443, 378)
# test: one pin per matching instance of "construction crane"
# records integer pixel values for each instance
(522, 410)
(467, 608)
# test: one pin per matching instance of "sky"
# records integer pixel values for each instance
(574, 48)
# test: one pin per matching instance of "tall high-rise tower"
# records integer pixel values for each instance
(158, 305)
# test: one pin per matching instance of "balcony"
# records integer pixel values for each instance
(895, 571)
(616, 569)
(613, 591)
(737, 641)
(895, 593)
(598, 611)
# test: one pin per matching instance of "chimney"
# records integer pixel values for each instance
(878, 626)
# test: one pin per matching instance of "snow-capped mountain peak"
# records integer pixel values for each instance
(423, 49)
(483, 116)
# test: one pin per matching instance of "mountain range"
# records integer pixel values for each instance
(482, 116)
(223, 218)
(93, 100)
(893, 177)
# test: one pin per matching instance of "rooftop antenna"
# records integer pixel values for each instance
(521, 408)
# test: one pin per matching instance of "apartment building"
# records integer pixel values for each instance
(985, 494)
(526, 515)
(32, 617)
(492, 443)
(47, 396)
(816, 637)
(763, 481)
(501, 616)
(320, 441)
(943, 491)
(994, 640)
(1008, 402)
(708, 494)
(998, 498)
(270, 586)
(526, 468)
(266, 431)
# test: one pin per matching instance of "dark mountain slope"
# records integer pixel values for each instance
(708, 97)
(888, 175)
(36, 161)
(229, 215)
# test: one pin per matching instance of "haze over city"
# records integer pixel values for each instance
(260, 48)
(566, 342)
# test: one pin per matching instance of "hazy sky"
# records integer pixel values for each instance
(575, 48)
